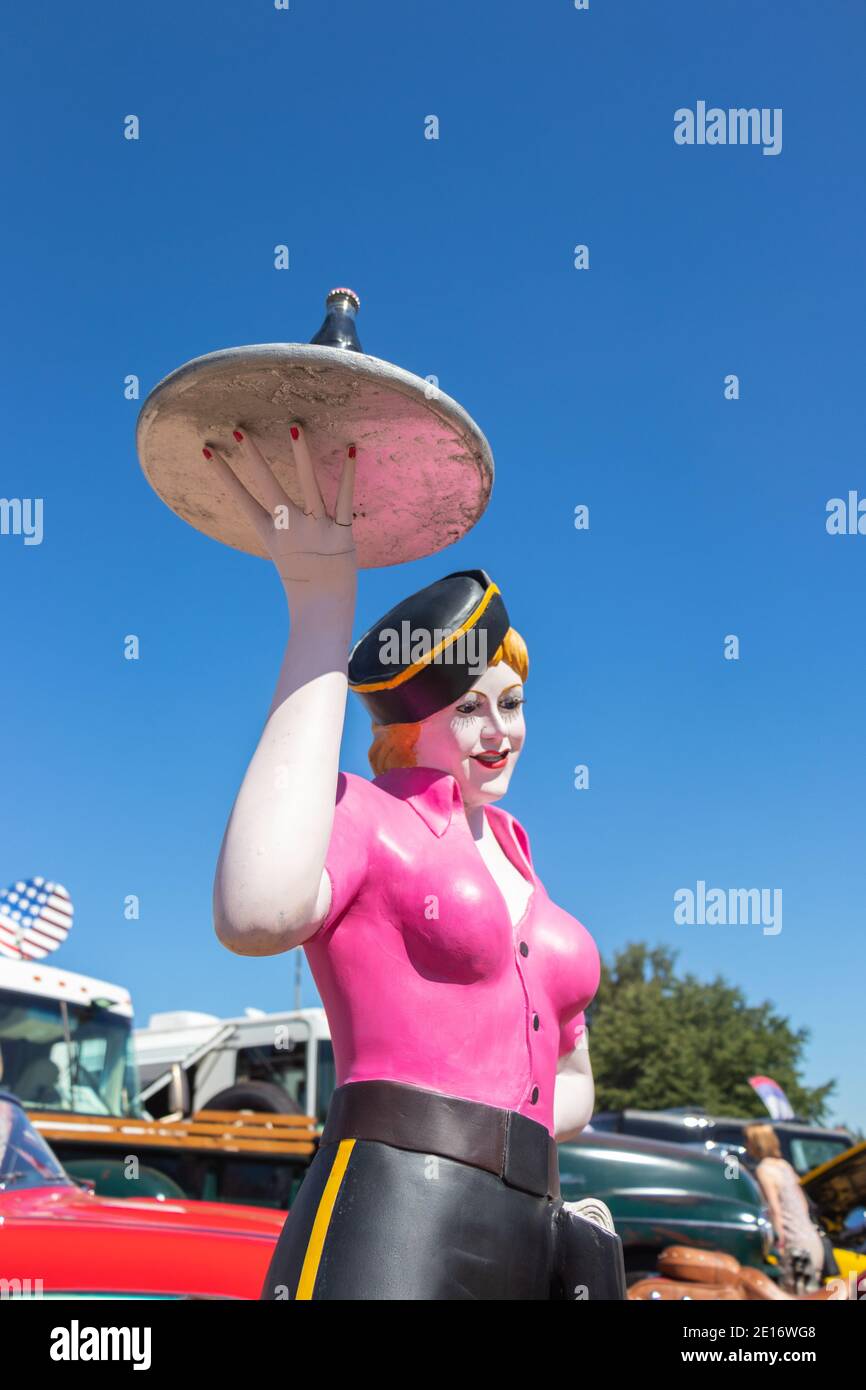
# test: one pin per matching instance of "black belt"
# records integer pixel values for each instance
(518, 1150)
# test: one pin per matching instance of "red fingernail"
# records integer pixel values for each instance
(207, 453)
(351, 451)
(238, 436)
(296, 433)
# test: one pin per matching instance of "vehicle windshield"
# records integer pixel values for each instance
(25, 1158)
(810, 1152)
(59, 1056)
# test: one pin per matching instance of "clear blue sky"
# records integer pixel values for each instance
(602, 387)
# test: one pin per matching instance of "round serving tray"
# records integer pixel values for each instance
(424, 469)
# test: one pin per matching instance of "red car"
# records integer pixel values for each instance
(57, 1239)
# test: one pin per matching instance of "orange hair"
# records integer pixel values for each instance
(394, 744)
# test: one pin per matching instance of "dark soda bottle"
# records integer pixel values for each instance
(338, 330)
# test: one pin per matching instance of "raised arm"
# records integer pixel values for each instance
(270, 890)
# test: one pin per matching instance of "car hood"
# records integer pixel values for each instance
(839, 1185)
(50, 1205)
(73, 1243)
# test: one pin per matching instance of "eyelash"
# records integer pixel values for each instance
(510, 709)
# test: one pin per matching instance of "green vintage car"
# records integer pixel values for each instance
(667, 1194)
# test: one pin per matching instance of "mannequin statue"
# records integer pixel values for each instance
(454, 988)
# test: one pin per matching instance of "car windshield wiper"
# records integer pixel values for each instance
(48, 1179)
(6, 1178)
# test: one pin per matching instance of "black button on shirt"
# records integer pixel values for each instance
(534, 1097)
(524, 949)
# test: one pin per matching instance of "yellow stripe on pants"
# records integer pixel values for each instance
(316, 1243)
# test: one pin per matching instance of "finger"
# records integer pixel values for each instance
(260, 472)
(343, 509)
(306, 473)
(235, 488)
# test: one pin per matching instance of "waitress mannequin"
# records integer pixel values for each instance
(453, 986)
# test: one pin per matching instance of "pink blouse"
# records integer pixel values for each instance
(422, 975)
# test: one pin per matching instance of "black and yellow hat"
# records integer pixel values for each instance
(427, 651)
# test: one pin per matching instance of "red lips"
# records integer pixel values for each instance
(492, 761)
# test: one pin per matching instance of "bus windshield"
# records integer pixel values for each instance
(74, 1057)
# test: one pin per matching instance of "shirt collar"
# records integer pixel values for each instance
(433, 795)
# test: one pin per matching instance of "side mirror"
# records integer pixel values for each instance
(178, 1091)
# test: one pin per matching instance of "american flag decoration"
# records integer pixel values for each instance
(35, 918)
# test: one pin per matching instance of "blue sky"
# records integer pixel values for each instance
(603, 387)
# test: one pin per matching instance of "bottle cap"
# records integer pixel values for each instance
(343, 294)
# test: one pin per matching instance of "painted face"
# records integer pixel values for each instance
(478, 739)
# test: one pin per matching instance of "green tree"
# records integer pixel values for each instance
(659, 1039)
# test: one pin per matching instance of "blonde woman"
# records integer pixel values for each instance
(798, 1241)
(454, 988)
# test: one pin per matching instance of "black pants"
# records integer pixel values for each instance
(372, 1221)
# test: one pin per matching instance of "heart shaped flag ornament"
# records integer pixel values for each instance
(35, 918)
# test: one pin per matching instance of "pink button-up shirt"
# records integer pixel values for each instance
(423, 977)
